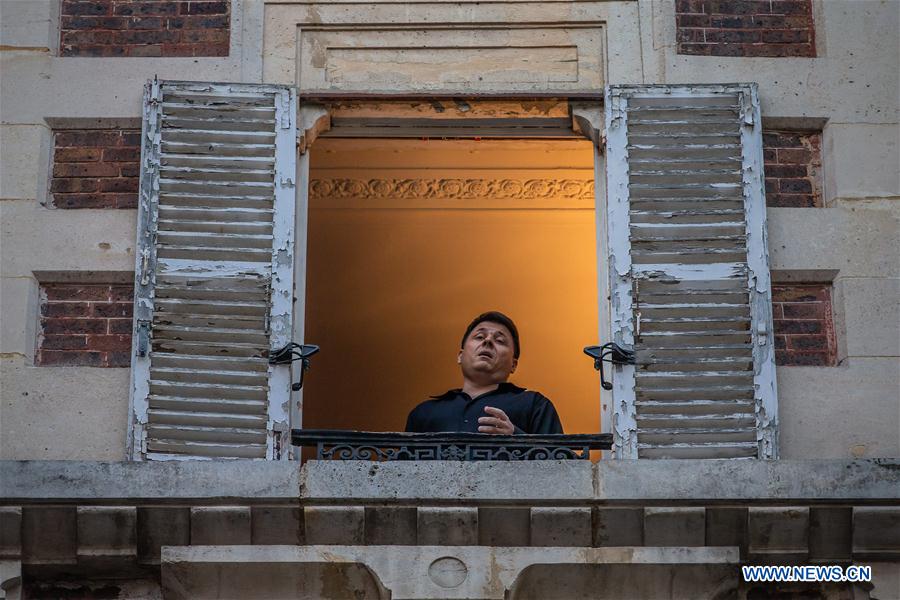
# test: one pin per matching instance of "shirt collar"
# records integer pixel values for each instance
(504, 387)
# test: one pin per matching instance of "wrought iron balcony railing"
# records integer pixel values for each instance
(382, 446)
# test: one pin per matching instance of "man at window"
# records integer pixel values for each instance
(487, 402)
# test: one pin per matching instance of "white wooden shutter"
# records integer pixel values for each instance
(689, 270)
(214, 271)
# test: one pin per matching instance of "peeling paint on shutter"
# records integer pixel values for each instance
(689, 272)
(214, 271)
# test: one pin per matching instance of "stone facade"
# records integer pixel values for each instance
(830, 110)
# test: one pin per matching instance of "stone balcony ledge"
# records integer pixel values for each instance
(90, 519)
(669, 482)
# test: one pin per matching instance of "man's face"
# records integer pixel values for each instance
(488, 353)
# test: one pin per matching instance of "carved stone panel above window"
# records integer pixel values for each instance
(440, 48)
(547, 58)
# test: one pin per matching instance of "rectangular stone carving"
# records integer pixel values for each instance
(462, 58)
(379, 66)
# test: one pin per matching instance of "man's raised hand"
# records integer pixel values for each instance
(498, 423)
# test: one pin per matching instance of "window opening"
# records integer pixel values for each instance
(411, 238)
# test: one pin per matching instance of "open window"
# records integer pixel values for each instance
(410, 238)
(218, 283)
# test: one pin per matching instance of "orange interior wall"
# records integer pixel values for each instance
(392, 285)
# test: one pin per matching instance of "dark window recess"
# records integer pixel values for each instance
(777, 28)
(138, 28)
(793, 168)
(804, 324)
(85, 325)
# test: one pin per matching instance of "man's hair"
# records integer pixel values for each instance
(493, 316)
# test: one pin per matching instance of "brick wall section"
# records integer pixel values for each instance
(96, 168)
(85, 325)
(793, 168)
(804, 325)
(166, 28)
(775, 28)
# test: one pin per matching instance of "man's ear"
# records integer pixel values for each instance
(459, 357)
(514, 365)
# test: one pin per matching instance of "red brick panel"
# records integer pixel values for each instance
(96, 168)
(775, 28)
(793, 165)
(804, 325)
(85, 325)
(166, 28)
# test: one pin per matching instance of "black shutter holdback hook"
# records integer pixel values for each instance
(292, 352)
(611, 353)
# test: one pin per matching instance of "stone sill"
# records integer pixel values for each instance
(669, 482)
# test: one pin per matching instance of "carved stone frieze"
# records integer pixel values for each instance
(451, 189)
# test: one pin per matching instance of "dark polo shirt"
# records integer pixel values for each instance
(530, 412)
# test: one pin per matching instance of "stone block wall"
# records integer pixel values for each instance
(95, 168)
(793, 168)
(776, 28)
(804, 325)
(86, 325)
(169, 28)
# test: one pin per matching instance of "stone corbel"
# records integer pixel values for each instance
(315, 119)
(587, 119)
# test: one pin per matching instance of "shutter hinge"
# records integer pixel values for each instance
(762, 334)
(143, 334)
(636, 309)
(285, 110)
(145, 266)
(267, 321)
